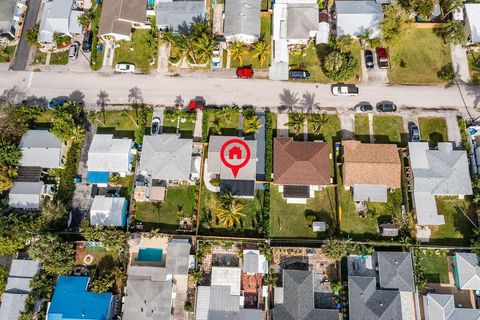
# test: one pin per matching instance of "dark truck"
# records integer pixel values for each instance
(344, 90)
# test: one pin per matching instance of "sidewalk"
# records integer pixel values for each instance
(460, 62)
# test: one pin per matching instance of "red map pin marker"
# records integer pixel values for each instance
(235, 152)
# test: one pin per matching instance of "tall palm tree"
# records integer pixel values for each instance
(230, 216)
(296, 120)
(252, 125)
(261, 51)
(227, 198)
(228, 113)
(237, 51)
(204, 46)
(317, 121)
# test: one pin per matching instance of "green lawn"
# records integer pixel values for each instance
(6, 53)
(417, 57)
(457, 228)
(362, 128)
(228, 128)
(141, 51)
(44, 119)
(436, 266)
(96, 58)
(295, 220)
(185, 128)
(251, 225)
(388, 129)
(120, 125)
(474, 67)
(433, 130)
(164, 215)
(40, 57)
(127, 185)
(265, 27)
(59, 58)
(331, 130)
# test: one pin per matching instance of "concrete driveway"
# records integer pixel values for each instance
(375, 75)
(460, 62)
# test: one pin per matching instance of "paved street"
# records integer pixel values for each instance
(165, 90)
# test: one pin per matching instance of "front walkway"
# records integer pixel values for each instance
(109, 53)
(197, 132)
(163, 56)
(282, 129)
(460, 62)
(206, 179)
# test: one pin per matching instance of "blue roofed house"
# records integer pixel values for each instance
(58, 16)
(177, 15)
(72, 301)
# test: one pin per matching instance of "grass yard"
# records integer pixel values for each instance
(40, 57)
(436, 266)
(330, 132)
(6, 53)
(228, 128)
(59, 58)
(265, 27)
(251, 225)
(141, 51)
(96, 58)
(295, 220)
(164, 215)
(121, 125)
(417, 57)
(433, 130)
(186, 126)
(362, 128)
(388, 129)
(474, 67)
(457, 228)
(127, 185)
(44, 119)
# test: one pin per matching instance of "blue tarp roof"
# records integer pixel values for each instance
(71, 301)
(97, 176)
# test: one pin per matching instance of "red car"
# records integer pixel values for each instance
(245, 72)
(382, 58)
(197, 104)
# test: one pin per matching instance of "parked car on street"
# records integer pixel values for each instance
(244, 72)
(87, 41)
(386, 106)
(73, 51)
(197, 104)
(155, 129)
(125, 68)
(369, 59)
(363, 107)
(299, 75)
(344, 90)
(57, 102)
(413, 131)
(382, 58)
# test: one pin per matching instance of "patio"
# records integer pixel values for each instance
(138, 241)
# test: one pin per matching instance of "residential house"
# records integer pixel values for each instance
(58, 16)
(108, 155)
(178, 15)
(242, 21)
(223, 299)
(370, 169)
(17, 288)
(472, 22)
(296, 299)
(120, 16)
(109, 211)
(467, 271)
(40, 148)
(442, 307)
(441, 172)
(294, 22)
(356, 17)
(72, 301)
(12, 14)
(29, 195)
(166, 157)
(393, 298)
(300, 168)
(241, 185)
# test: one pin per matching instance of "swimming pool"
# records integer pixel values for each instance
(150, 254)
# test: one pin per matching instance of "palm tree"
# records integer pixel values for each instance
(204, 46)
(227, 198)
(296, 120)
(200, 27)
(196, 276)
(228, 113)
(84, 19)
(237, 50)
(318, 121)
(31, 36)
(216, 128)
(261, 51)
(230, 216)
(252, 125)
(77, 133)
(270, 280)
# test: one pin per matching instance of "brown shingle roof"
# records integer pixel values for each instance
(117, 16)
(301, 162)
(365, 163)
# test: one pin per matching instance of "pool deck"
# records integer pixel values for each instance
(139, 241)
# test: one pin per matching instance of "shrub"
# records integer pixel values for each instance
(66, 187)
(206, 113)
(266, 212)
(268, 146)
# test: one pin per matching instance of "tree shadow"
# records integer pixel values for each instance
(289, 100)
(135, 96)
(102, 101)
(31, 101)
(77, 96)
(308, 102)
(179, 102)
(434, 138)
(14, 95)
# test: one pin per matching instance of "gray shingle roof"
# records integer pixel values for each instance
(7, 9)
(442, 307)
(302, 18)
(147, 299)
(25, 195)
(242, 17)
(12, 305)
(468, 271)
(40, 148)
(355, 17)
(177, 257)
(24, 268)
(178, 14)
(250, 261)
(396, 271)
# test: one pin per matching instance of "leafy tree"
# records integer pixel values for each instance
(261, 50)
(31, 36)
(85, 18)
(60, 38)
(237, 51)
(446, 73)
(475, 241)
(296, 120)
(3, 279)
(252, 125)
(204, 248)
(13, 125)
(103, 284)
(270, 280)
(423, 8)
(230, 216)
(335, 249)
(339, 67)
(228, 113)
(15, 231)
(216, 127)
(450, 6)
(336, 286)
(7, 174)
(55, 254)
(53, 216)
(10, 155)
(196, 275)
(453, 32)
(111, 239)
(344, 43)
(62, 126)
(396, 19)
(318, 121)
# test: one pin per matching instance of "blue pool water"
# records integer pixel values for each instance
(150, 254)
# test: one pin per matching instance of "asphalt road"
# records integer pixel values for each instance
(21, 55)
(95, 88)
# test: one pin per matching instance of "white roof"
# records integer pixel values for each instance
(437, 172)
(370, 192)
(107, 211)
(12, 305)
(323, 32)
(40, 148)
(57, 16)
(203, 303)
(472, 11)
(355, 17)
(109, 154)
(25, 195)
(227, 276)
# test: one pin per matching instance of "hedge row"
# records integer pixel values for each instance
(205, 125)
(66, 187)
(268, 174)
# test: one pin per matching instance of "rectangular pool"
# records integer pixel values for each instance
(150, 254)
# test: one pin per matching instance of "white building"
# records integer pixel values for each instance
(355, 17)
(242, 20)
(108, 211)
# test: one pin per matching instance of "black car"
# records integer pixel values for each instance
(413, 131)
(363, 107)
(299, 74)
(87, 41)
(386, 107)
(369, 59)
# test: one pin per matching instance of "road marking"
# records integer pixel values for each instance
(30, 80)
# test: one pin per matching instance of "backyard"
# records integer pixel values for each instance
(418, 57)
(362, 129)
(388, 129)
(295, 220)
(435, 265)
(180, 201)
(433, 130)
(141, 51)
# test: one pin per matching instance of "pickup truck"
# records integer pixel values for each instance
(344, 90)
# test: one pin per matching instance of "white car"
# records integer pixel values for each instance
(344, 90)
(125, 68)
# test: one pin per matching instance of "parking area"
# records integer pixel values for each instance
(375, 74)
(82, 63)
